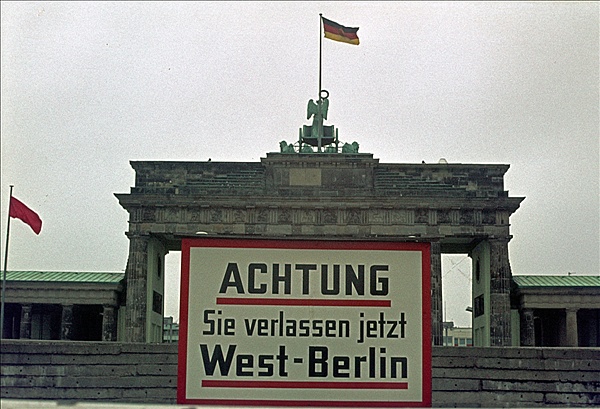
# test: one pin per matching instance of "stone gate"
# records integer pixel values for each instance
(458, 208)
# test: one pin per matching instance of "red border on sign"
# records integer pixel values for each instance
(303, 384)
(188, 243)
(292, 302)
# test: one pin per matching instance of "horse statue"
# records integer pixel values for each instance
(306, 149)
(284, 147)
(350, 148)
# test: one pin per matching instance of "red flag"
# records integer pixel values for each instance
(20, 211)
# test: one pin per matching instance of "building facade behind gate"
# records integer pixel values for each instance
(458, 208)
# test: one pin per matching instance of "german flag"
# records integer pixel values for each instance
(338, 32)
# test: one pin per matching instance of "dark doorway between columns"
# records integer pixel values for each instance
(12, 321)
(87, 323)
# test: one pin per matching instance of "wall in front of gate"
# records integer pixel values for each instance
(462, 376)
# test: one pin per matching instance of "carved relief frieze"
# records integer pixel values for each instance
(329, 216)
(466, 217)
(239, 216)
(216, 215)
(377, 216)
(489, 217)
(284, 216)
(194, 215)
(400, 216)
(148, 214)
(172, 215)
(443, 217)
(308, 217)
(262, 215)
(421, 216)
(353, 216)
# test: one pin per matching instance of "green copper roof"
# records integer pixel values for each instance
(65, 276)
(557, 281)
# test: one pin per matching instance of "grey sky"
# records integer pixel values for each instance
(89, 86)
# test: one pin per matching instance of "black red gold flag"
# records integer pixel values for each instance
(338, 32)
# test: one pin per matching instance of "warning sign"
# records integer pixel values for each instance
(304, 323)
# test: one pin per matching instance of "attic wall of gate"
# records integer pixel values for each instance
(455, 207)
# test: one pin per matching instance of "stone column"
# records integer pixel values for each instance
(25, 328)
(436, 294)
(571, 327)
(137, 283)
(66, 323)
(500, 281)
(109, 323)
(527, 328)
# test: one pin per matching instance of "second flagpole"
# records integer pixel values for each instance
(5, 265)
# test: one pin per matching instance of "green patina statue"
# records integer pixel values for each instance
(350, 148)
(318, 137)
(318, 111)
(317, 134)
(284, 147)
(306, 149)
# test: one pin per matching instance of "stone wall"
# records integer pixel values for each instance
(86, 371)
(463, 377)
(515, 377)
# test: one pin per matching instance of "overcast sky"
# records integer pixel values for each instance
(89, 86)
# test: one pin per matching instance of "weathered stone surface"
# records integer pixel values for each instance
(467, 377)
(332, 196)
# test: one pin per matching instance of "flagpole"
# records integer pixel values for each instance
(5, 265)
(320, 49)
(319, 102)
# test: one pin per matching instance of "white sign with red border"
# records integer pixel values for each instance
(305, 323)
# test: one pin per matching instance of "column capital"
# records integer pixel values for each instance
(500, 240)
(137, 235)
